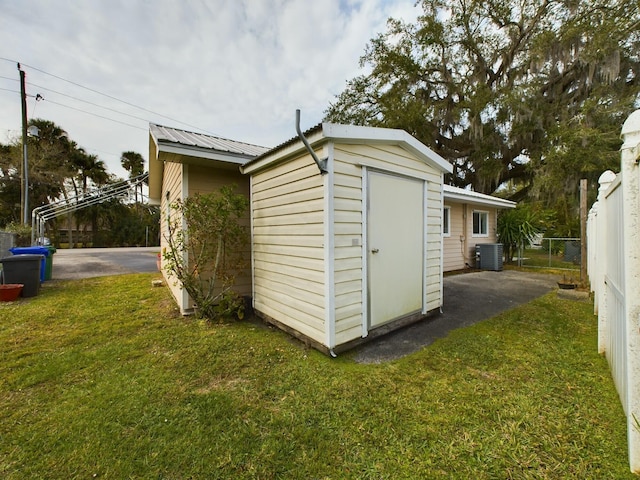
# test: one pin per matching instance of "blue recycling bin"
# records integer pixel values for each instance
(36, 250)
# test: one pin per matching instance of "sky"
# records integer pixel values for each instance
(236, 69)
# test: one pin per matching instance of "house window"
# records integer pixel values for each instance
(480, 224)
(446, 221)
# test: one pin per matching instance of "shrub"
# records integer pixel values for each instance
(205, 242)
(516, 227)
(22, 232)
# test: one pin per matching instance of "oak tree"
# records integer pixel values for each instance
(530, 93)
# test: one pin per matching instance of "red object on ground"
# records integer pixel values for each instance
(10, 291)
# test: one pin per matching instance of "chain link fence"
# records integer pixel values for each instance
(7, 241)
(561, 253)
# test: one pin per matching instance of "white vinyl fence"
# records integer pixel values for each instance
(613, 245)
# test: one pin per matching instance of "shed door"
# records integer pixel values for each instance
(395, 241)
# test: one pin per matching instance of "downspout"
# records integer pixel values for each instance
(322, 164)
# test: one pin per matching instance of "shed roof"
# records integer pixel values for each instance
(468, 196)
(176, 136)
(350, 134)
(167, 144)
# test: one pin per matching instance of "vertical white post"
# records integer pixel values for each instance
(592, 248)
(329, 251)
(630, 173)
(601, 234)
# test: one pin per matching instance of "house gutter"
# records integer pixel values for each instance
(322, 164)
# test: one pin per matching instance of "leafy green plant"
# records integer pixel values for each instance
(516, 228)
(205, 242)
(22, 232)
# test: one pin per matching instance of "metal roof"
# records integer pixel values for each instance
(164, 134)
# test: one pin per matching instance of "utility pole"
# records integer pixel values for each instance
(25, 163)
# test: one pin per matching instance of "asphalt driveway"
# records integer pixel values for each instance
(71, 264)
(468, 298)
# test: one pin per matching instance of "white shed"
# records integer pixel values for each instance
(352, 252)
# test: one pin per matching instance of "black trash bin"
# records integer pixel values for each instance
(46, 267)
(23, 269)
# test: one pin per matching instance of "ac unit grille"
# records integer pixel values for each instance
(490, 256)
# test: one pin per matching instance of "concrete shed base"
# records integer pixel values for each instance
(373, 334)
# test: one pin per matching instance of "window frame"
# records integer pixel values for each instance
(446, 221)
(480, 233)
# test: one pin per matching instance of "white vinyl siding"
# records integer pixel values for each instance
(348, 246)
(308, 234)
(349, 160)
(288, 245)
(434, 241)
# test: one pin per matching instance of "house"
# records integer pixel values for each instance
(338, 255)
(353, 251)
(469, 219)
(184, 163)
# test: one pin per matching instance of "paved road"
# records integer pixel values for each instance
(70, 264)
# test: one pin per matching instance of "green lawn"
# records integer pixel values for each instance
(103, 379)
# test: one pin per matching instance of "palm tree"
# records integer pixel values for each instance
(133, 163)
(90, 172)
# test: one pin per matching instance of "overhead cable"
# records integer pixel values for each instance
(110, 97)
(94, 114)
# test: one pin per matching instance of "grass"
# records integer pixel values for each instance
(102, 378)
(539, 258)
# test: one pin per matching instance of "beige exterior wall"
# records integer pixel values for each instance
(183, 180)
(491, 230)
(459, 246)
(171, 191)
(288, 245)
(454, 244)
(202, 179)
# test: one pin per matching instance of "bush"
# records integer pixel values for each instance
(22, 232)
(516, 227)
(204, 253)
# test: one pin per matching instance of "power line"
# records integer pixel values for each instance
(114, 98)
(95, 115)
(78, 109)
(84, 111)
(111, 97)
(9, 78)
(90, 103)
